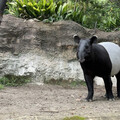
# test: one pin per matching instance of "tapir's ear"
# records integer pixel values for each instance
(76, 38)
(93, 39)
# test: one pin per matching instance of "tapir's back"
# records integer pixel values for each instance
(114, 54)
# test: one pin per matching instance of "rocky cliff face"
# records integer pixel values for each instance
(42, 51)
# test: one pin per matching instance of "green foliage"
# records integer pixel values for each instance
(46, 10)
(74, 118)
(32, 9)
(11, 80)
(1, 86)
(12, 5)
(103, 12)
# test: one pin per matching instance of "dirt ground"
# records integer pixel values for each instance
(53, 102)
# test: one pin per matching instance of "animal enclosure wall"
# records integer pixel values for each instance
(42, 51)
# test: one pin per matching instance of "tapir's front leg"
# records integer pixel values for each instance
(90, 86)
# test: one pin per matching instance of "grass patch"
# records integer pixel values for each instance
(74, 118)
(12, 80)
(1, 86)
(66, 83)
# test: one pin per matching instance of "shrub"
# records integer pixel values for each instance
(106, 15)
(87, 13)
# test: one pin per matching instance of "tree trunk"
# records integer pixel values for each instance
(2, 7)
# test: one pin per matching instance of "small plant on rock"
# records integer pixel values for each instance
(12, 80)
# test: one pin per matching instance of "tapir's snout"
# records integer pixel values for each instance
(81, 56)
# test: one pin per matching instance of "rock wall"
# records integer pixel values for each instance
(42, 51)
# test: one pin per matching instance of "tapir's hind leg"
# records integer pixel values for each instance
(118, 84)
(108, 87)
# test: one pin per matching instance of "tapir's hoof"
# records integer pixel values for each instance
(88, 100)
(111, 99)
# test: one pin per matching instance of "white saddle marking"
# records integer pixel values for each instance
(114, 54)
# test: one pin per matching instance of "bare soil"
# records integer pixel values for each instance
(53, 102)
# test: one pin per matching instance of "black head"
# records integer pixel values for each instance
(84, 47)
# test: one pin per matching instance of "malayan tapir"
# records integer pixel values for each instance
(99, 59)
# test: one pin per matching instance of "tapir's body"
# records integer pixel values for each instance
(105, 59)
(113, 51)
(101, 60)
